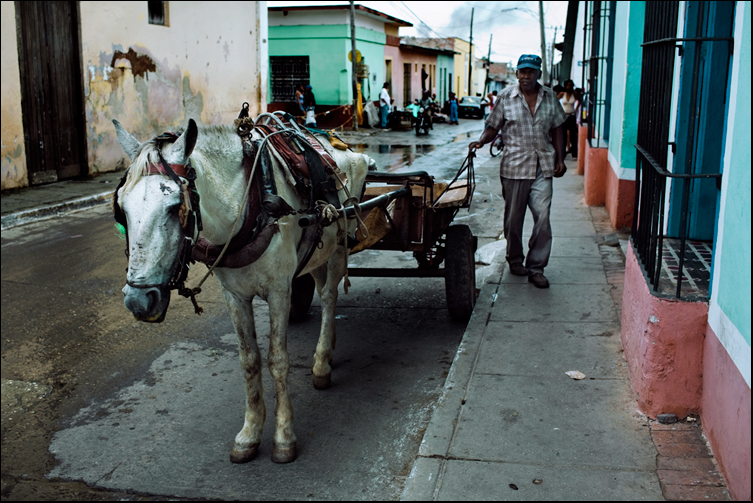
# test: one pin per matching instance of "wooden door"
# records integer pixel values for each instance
(51, 90)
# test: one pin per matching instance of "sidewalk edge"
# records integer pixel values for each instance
(18, 218)
(427, 470)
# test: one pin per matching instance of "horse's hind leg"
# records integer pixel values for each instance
(284, 448)
(327, 280)
(248, 439)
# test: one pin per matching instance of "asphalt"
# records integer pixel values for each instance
(510, 423)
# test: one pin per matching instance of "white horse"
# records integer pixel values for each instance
(151, 202)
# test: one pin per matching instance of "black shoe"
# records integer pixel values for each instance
(517, 269)
(538, 280)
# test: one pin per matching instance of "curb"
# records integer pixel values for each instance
(426, 473)
(16, 219)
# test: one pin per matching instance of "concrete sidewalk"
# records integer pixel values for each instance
(31, 204)
(510, 423)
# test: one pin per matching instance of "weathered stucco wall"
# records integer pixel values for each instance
(153, 78)
(13, 150)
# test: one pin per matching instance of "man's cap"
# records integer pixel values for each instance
(529, 61)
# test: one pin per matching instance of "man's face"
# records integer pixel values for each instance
(527, 78)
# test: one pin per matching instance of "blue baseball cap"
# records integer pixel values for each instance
(529, 61)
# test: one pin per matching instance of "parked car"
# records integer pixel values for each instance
(471, 106)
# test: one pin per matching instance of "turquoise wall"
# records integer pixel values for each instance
(734, 289)
(445, 66)
(327, 47)
(626, 82)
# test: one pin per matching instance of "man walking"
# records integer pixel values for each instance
(384, 104)
(527, 114)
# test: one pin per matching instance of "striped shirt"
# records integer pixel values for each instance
(526, 137)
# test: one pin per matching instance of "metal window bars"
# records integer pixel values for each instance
(647, 233)
(598, 41)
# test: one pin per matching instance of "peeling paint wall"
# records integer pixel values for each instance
(152, 78)
(12, 149)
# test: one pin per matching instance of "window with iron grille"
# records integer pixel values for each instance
(598, 42)
(287, 73)
(673, 194)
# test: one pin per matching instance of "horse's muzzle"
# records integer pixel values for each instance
(147, 304)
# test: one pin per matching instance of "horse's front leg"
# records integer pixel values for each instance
(284, 448)
(327, 281)
(248, 439)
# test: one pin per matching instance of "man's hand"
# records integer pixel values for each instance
(487, 136)
(559, 169)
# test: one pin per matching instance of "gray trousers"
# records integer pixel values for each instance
(537, 195)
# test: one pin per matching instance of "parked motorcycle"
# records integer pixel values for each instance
(423, 121)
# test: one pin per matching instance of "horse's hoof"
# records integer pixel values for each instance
(244, 456)
(323, 382)
(283, 454)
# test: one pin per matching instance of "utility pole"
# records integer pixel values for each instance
(470, 56)
(489, 64)
(551, 53)
(354, 60)
(544, 72)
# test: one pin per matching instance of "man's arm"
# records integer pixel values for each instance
(558, 138)
(487, 136)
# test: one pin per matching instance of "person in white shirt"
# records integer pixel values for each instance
(570, 99)
(384, 104)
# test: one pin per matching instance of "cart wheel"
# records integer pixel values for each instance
(301, 296)
(460, 272)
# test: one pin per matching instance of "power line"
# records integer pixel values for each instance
(421, 20)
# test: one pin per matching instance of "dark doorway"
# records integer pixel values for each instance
(406, 85)
(49, 56)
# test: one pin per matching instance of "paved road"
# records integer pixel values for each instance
(153, 409)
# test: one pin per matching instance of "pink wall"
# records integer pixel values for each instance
(726, 416)
(663, 341)
(595, 175)
(602, 187)
(404, 55)
(582, 137)
(396, 89)
(620, 199)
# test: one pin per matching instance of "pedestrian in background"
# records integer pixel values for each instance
(453, 109)
(384, 104)
(309, 104)
(570, 100)
(530, 118)
(299, 99)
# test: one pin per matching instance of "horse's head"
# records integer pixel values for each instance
(151, 203)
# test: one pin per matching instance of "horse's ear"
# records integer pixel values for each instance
(127, 141)
(187, 141)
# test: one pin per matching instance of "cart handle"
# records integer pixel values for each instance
(350, 211)
(470, 178)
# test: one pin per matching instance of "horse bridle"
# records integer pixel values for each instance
(189, 214)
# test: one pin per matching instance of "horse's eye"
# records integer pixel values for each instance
(173, 210)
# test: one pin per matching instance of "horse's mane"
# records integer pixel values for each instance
(212, 141)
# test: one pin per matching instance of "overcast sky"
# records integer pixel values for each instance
(514, 31)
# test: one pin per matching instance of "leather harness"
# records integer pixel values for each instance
(313, 170)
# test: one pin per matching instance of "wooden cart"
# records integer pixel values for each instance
(410, 212)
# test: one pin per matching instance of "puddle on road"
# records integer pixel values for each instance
(393, 158)
(465, 136)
